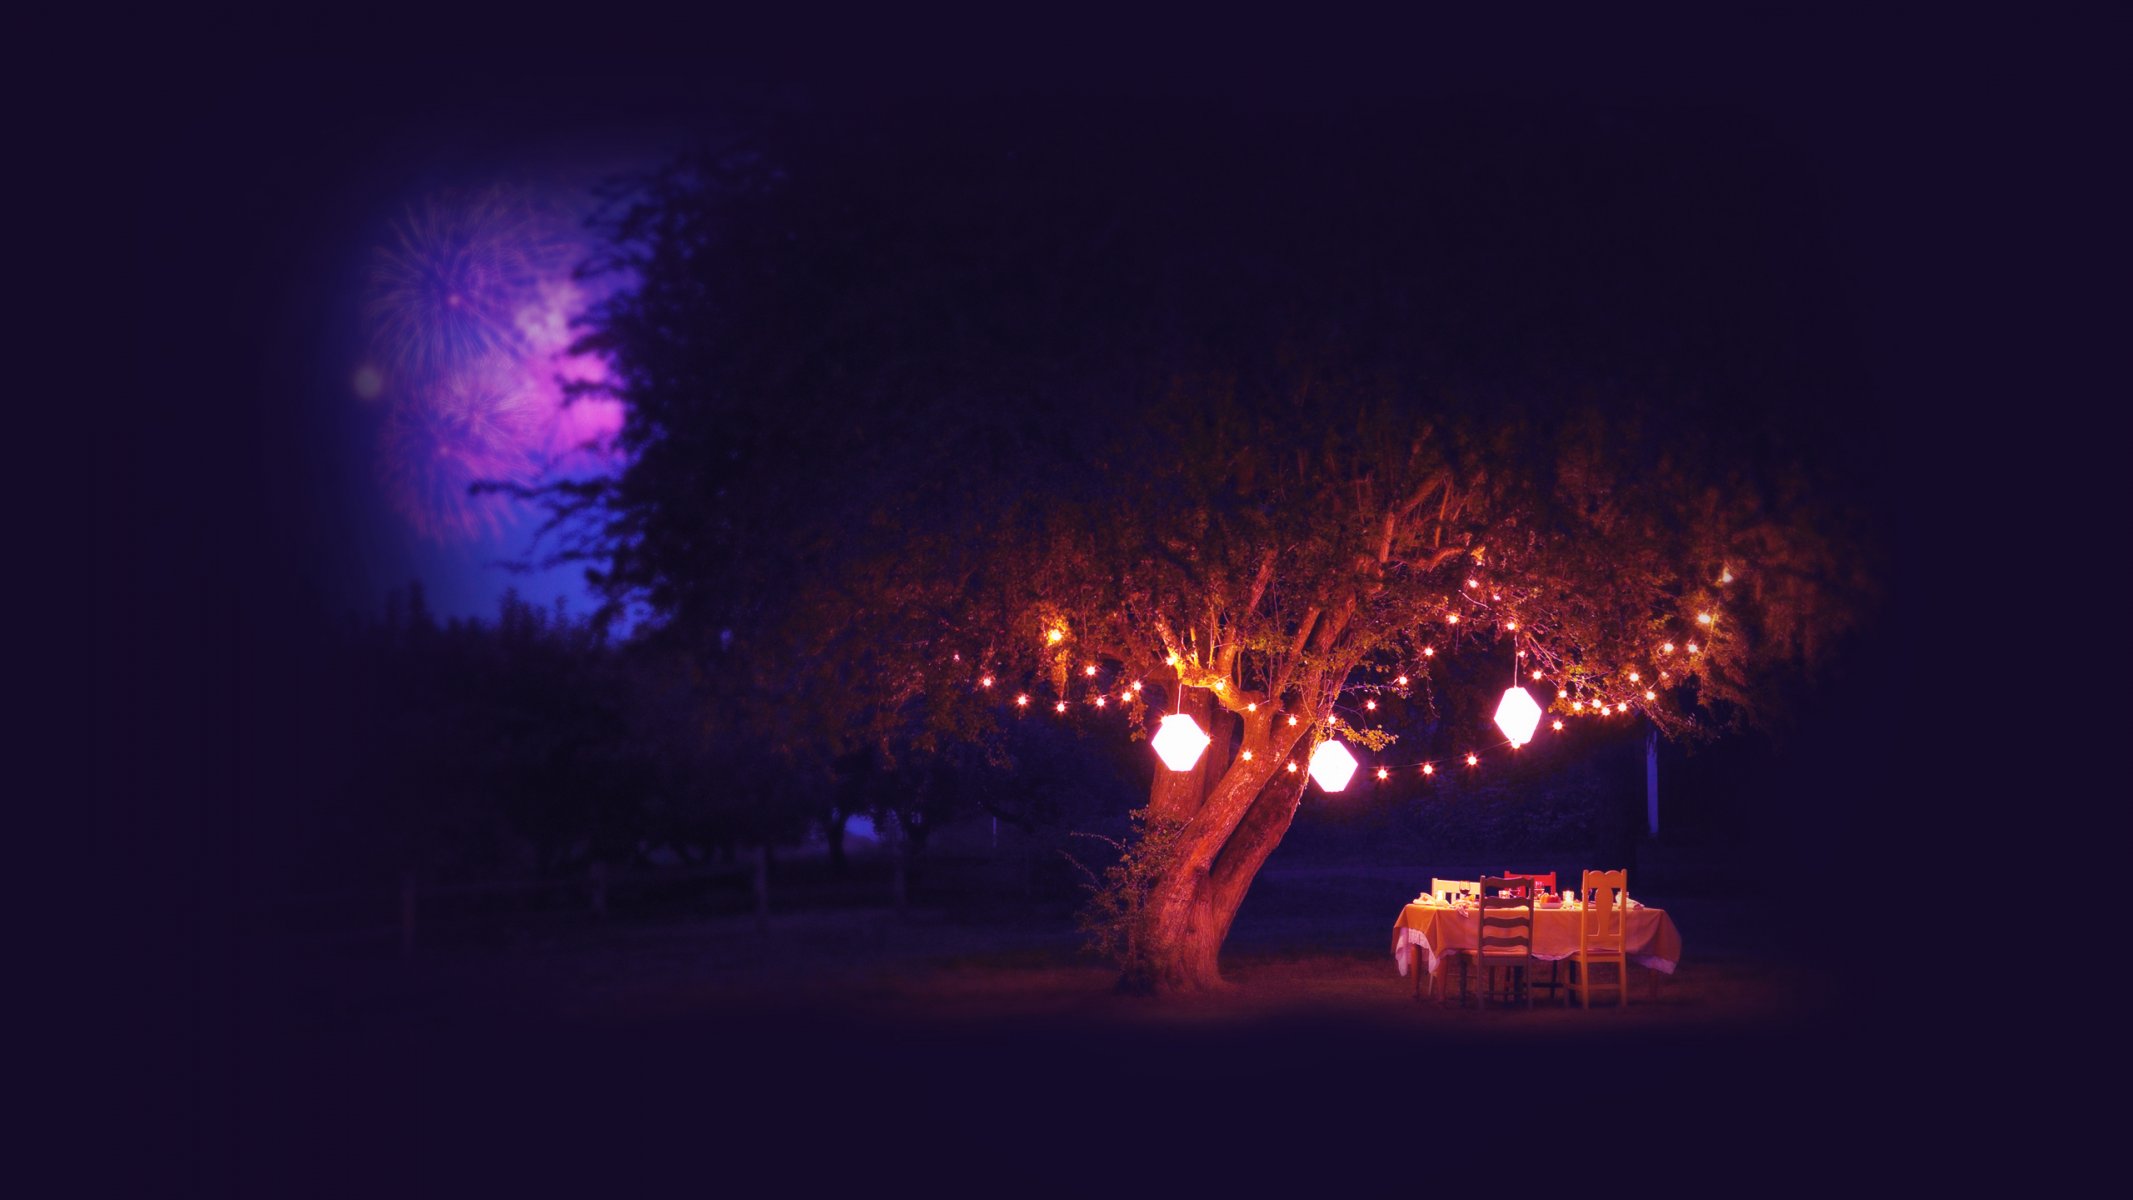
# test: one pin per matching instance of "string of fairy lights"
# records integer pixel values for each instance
(1180, 741)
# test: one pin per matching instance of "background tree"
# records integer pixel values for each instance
(1261, 419)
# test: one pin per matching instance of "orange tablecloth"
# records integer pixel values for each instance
(1652, 939)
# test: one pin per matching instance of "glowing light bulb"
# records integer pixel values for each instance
(1125, 697)
(1514, 625)
(1136, 685)
(1100, 701)
(1247, 756)
(1536, 675)
(1333, 719)
(1060, 707)
(1577, 706)
(1473, 583)
(1692, 647)
(1332, 766)
(1172, 660)
(1562, 693)
(1453, 618)
(959, 658)
(1055, 637)
(1252, 707)
(1473, 760)
(1725, 577)
(1558, 724)
(1384, 774)
(1429, 768)
(1292, 768)
(1703, 618)
(985, 682)
(1180, 741)
(1292, 720)
(1403, 681)
(1667, 648)
(1622, 708)
(1022, 701)
(1218, 685)
(1650, 695)
(1429, 652)
(1633, 677)
(1370, 705)
(1495, 596)
(1089, 670)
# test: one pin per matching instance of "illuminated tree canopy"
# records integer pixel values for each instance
(1252, 422)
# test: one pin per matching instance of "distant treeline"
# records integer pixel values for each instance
(533, 745)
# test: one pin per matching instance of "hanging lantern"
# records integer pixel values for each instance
(1517, 716)
(1332, 765)
(1179, 742)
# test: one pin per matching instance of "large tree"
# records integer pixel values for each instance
(929, 414)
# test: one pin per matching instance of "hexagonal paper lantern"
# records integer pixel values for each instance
(1518, 716)
(1332, 765)
(1179, 742)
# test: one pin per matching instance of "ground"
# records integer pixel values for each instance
(979, 1020)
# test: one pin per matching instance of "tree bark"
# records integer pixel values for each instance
(1177, 795)
(1230, 827)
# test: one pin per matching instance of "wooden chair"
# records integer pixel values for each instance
(1603, 934)
(1545, 880)
(1506, 941)
(1437, 888)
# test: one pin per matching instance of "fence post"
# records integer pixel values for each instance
(407, 914)
(901, 881)
(762, 888)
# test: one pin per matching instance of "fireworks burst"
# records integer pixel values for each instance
(469, 302)
(478, 425)
(456, 280)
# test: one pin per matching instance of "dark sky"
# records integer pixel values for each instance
(277, 175)
(314, 157)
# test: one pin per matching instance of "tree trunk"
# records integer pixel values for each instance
(1234, 822)
(1177, 795)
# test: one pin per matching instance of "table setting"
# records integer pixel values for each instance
(1441, 925)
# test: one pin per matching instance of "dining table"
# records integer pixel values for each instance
(1440, 930)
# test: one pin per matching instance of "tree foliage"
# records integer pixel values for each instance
(907, 391)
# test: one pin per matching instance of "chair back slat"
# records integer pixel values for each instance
(1544, 878)
(1604, 921)
(1506, 920)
